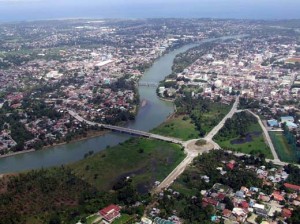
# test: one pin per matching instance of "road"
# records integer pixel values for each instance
(191, 149)
(126, 130)
(267, 137)
(217, 128)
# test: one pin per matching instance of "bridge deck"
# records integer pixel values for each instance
(126, 130)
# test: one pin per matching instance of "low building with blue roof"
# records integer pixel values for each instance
(273, 123)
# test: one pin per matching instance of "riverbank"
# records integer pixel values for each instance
(62, 154)
(91, 134)
(17, 153)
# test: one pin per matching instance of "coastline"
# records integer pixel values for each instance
(92, 134)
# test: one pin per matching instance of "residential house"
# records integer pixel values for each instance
(110, 213)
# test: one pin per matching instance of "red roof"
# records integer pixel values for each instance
(244, 204)
(230, 165)
(221, 196)
(110, 212)
(286, 213)
(292, 186)
(209, 201)
(277, 196)
(226, 213)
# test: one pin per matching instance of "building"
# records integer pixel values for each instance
(292, 187)
(287, 119)
(110, 213)
(273, 123)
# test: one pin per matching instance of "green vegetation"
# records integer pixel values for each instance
(36, 195)
(179, 126)
(71, 193)
(242, 133)
(185, 59)
(92, 219)
(282, 147)
(248, 103)
(294, 174)
(123, 219)
(143, 159)
(201, 142)
(204, 113)
(188, 203)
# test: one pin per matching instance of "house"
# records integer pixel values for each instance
(159, 220)
(230, 166)
(110, 213)
(261, 210)
(292, 187)
(273, 123)
(209, 201)
(277, 196)
(291, 125)
(286, 213)
(226, 213)
(244, 205)
(287, 119)
(240, 194)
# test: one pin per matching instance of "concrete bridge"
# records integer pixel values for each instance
(126, 130)
(149, 84)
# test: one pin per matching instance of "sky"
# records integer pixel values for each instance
(18, 10)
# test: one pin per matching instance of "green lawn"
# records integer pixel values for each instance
(180, 127)
(91, 219)
(123, 219)
(256, 147)
(282, 147)
(145, 160)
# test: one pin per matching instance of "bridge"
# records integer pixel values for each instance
(190, 148)
(126, 130)
(148, 84)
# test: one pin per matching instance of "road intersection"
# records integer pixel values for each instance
(191, 148)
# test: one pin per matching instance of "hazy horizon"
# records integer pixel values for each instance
(19, 10)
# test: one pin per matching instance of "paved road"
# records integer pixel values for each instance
(191, 149)
(126, 130)
(267, 137)
(217, 128)
(192, 152)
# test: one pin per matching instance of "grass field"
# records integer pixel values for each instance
(93, 219)
(211, 119)
(124, 219)
(282, 147)
(179, 127)
(144, 160)
(256, 146)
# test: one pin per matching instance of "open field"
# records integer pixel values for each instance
(124, 219)
(282, 147)
(256, 146)
(179, 126)
(93, 219)
(210, 119)
(144, 160)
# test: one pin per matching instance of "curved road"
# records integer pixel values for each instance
(191, 149)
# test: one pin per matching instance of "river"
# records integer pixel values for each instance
(149, 116)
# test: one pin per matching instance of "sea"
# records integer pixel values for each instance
(28, 10)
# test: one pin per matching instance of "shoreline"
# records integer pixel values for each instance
(89, 136)
(166, 100)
